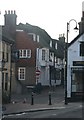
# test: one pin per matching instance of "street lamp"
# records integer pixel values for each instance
(66, 57)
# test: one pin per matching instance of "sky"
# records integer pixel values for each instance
(50, 15)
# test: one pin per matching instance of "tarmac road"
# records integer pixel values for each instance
(66, 112)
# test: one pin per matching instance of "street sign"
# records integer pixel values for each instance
(37, 72)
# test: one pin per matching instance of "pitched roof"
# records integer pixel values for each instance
(44, 38)
(76, 38)
(6, 36)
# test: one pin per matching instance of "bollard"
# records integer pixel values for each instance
(66, 103)
(50, 98)
(24, 101)
(32, 99)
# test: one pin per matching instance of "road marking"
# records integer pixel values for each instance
(54, 114)
(59, 107)
(80, 106)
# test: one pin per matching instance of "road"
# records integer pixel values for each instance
(58, 113)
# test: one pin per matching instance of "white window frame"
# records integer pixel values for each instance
(24, 53)
(19, 73)
(51, 43)
(37, 38)
(34, 36)
(43, 54)
(56, 45)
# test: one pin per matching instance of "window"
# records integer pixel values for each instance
(37, 38)
(28, 53)
(21, 73)
(55, 59)
(7, 57)
(2, 80)
(25, 53)
(32, 36)
(56, 45)
(82, 49)
(43, 54)
(50, 43)
(6, 81)
(76, 77)
(3, 55)
(51, 56)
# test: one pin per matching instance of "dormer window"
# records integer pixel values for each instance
(32, 36)
(51, 43)
(51, 56)
(55, 59)
(37, 38)
(82, 49)
(56, 45)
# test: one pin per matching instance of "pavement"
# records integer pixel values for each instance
(22, 102)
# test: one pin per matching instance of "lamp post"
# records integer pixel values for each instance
(66, 57)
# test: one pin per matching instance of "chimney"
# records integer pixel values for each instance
(10, 21)
(81, 24)
(62, 38)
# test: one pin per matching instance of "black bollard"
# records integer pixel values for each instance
(50, 98)
(66, 103)
(32, 99)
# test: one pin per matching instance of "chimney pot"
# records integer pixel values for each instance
(5, 12)
(8, 11)
(11, 12)
(14, 12)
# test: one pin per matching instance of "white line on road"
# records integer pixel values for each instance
(54, 114)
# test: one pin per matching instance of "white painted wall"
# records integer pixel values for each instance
(73, 55)
(43, 66)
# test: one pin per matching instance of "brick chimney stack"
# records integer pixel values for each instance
(62, 38)
(81, 24)
(10, 21)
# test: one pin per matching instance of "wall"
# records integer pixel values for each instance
(73, 55)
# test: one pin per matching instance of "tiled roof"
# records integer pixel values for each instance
(44, 38)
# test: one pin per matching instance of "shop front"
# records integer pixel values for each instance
(77, 82)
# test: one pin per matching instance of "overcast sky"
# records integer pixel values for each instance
(51, 15)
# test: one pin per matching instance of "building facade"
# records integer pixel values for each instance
(75, 66)
(36, 50)
(6, 64)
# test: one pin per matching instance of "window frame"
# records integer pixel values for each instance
(24, 53)
(43, 55)
(19, 73)
(51, 43)
(81, 49)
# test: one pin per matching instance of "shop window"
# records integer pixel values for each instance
(77, 81)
